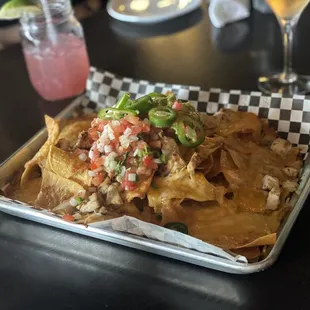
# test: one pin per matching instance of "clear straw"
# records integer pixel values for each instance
(51, 31)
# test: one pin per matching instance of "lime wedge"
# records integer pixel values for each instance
(14, 8)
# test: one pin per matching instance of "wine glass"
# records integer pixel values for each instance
(287, 82)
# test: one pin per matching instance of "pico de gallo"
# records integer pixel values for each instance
(126, 138)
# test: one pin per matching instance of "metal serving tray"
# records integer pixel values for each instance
(16, 162)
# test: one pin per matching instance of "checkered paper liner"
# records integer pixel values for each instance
(289, 115)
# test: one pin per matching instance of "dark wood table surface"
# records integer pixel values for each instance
(46, 268)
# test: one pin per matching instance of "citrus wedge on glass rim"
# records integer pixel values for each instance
(13, 9)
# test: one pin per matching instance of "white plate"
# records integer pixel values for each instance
(150, 11)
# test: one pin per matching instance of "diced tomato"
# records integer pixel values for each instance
(135, 130)
(101, 125)
(68, 218)
(93, 133)
(96, 155)
(78, 152)
(149, 162)
(177, 106)
(99, 162)
(132, 119)
(93, 166)
(145, 127)
(98, 179)
(128, 185)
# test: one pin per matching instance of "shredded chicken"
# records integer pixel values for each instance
(113, 195)
(290, 185)
(103, 187)
(291, 172)
(281, 147)
(273, 199)
(91, 205)
(269, 183)
(63, 144)
(169, 146)
(83, 141)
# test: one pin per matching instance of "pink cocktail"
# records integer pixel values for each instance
(58, 69)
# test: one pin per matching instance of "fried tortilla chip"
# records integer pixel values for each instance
(31, 166)
(55, 189)
(237, 121)
(203, 152)
(71, 128)
(140, 190)
(180, 185)
(68, 166)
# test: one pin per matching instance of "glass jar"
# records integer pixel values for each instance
(55, 51)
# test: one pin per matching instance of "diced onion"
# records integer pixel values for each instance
(110, 132)
(91, 154)
(108, 148)
(91, 173)
(132, 177)
(73, 202)
(115, 123)
(83, 157)
(135, 152)
(157, 161)
(127, 132)
(100, 147)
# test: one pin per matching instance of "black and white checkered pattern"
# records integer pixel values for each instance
(290, 116)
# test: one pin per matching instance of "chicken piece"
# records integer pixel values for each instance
(91, 205)
(63, 144)
(103, 187)
(290, 185)
(113, 195)
(175, 161)
(290, 172)
(269, 182)
(169, 146)
(103, 210)
(84, 141)
(281, 147)
(273, 199)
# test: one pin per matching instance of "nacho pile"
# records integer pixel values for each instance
(225, 179)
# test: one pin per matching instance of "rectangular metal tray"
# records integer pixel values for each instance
(16, 162)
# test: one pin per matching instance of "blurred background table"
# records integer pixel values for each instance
(45, 268)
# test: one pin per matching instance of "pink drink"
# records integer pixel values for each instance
(58, 71)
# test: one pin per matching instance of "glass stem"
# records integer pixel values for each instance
(287, 28)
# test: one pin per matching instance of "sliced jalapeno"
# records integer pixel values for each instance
(162, 117)
(143, 104)
(120, 104)
(114, 113)
(189, 131)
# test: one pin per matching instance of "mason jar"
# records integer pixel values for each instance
(55, 51)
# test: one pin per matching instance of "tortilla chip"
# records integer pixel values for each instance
(204, 151)
(180, 185)
(141, 189)
(239, 122)
(269, 239)
(68, 166)
(55, 189)
(72, 127)
(52, 127)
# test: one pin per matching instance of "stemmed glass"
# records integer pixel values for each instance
(287, 82)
